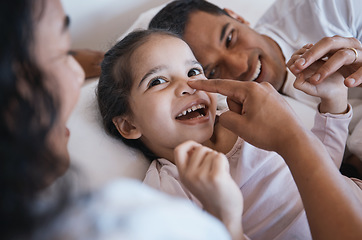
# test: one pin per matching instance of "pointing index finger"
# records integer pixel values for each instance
(236, 90)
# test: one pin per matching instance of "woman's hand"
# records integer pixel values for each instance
(205, 173)
(340, 54)
(258, 113)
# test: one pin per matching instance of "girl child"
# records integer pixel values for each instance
(145, 100)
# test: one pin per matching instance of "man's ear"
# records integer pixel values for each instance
(236, 16)
(126, 128)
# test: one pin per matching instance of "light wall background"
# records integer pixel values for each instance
(96, 24)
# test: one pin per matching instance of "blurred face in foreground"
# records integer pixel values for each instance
(63, 75)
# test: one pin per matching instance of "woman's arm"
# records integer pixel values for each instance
(262, 117)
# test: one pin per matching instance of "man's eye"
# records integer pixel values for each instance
(212, 73)
(194, 72)
(156, 81)
(229, 38)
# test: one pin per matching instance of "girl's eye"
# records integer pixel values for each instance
(194, 72)
(229, 38)
(156, 81)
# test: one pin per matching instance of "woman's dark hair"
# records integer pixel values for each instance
(26, 160)
(174, 16)
(116, 81)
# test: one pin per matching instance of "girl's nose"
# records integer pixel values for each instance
(183, 88)
(189, 91)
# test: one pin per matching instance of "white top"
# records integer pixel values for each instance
(272, 205)
(128, 210)
(294, 23)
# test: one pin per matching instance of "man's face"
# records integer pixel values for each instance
(230, 49)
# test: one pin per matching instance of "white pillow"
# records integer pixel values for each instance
(99, 156)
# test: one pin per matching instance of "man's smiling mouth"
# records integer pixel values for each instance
(256, 71)
(195, 111)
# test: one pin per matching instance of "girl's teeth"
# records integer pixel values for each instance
(193, 108)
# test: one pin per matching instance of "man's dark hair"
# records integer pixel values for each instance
(175, 15)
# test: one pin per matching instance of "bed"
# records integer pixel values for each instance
(98, 25)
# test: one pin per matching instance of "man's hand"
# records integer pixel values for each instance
(90, 61)
(340, 53)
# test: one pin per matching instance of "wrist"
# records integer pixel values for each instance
(235, 228)
(297, 137)
(335, 106)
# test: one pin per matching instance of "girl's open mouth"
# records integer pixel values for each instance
(193, 112)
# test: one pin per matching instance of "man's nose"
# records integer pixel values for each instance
(235, 65)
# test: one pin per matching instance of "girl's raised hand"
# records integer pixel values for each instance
(340, 54)
(205, 173)
(332, 92)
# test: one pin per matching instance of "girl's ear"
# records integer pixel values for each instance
(236, 16)
(126, 128)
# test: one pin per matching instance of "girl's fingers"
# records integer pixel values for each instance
(182, 154)
(355, 79)
(220, 164)
(303, 85)
(339, 59)
(193, 160)
(297, 55)
(197, 158)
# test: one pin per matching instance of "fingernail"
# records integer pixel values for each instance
(294, 69)
(351, 81)
(316, 77)
(300, 61)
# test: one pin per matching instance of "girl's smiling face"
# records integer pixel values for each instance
(166, 110)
